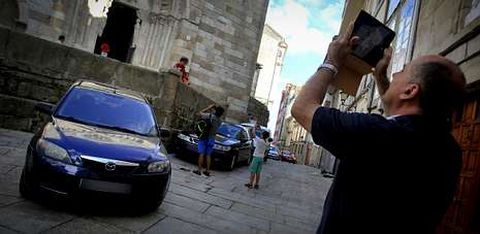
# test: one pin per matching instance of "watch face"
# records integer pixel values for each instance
(374, 38)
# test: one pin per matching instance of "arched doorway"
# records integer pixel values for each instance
(118, 32)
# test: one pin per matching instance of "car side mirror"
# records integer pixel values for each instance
(45, 108)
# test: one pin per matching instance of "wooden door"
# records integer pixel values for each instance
(460, 215)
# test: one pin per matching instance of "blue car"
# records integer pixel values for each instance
(232, 146)
(100, 141)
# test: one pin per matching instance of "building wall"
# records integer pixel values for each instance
(291, 135)
(449, 28)
(221, 38)
(270, 55)
(283, 116)
(451, 32)
(259, 110)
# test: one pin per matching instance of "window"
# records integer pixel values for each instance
(474, 12)
(402, 23)
(392, 5)
(107, 110)
(379, 10)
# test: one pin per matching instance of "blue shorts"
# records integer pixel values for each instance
(205, 146)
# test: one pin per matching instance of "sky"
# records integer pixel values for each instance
(308, 27)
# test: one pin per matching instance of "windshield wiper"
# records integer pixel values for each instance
(122, 129)
(71, 118)
(224, 135)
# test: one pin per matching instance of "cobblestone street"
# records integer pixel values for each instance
(289, 200)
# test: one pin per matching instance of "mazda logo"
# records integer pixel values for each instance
(110, 166)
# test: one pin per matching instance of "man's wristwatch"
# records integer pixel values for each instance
(328, 67)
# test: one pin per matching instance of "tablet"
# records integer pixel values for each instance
(374, 38)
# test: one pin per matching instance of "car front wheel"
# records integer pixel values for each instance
(26, 186)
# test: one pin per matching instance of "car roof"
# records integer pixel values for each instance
(250, 125)
(236, 125)
(108, 88)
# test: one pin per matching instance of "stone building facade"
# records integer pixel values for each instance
(221, 38)
(271, 54)
(290, 135)
(450, 29)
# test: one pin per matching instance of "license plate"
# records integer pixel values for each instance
(105, 186)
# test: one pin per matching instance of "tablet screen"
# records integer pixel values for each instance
(374, 38)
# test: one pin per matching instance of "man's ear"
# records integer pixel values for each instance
(410, 92)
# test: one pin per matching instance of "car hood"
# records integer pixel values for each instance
(273, 152)
(80, 139)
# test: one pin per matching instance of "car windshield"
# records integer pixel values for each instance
(258, 132)
(229, 130)
(107, 110)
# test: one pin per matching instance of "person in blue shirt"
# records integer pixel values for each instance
(397, 174)
(212, 114)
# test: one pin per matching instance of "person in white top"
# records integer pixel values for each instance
(261, 146)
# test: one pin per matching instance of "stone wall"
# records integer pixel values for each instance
(221, 38)
(34, 70)
(259, 110)
(446, 30)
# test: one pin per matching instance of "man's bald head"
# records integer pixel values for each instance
(442, 85)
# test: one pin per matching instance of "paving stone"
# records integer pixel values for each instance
(30, 217)
(240, 198)
(9, 182)
(188, 182)
(176, 226)
(251, 221)
(300, 223)
(6, 231)
(136, 223)
(187, 202)
(14, 156)
(82, 225)
(301, 214)
(8, 200)
(207, 198)
(277, 228)
(256, 211)
(5, 168)
(216, 223)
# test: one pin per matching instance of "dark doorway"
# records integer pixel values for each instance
(118, 31)
(8, 13)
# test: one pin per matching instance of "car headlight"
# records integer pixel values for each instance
(159, 166)
(54, 151)
(222, 147)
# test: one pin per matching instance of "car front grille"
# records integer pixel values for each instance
(107, 167)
